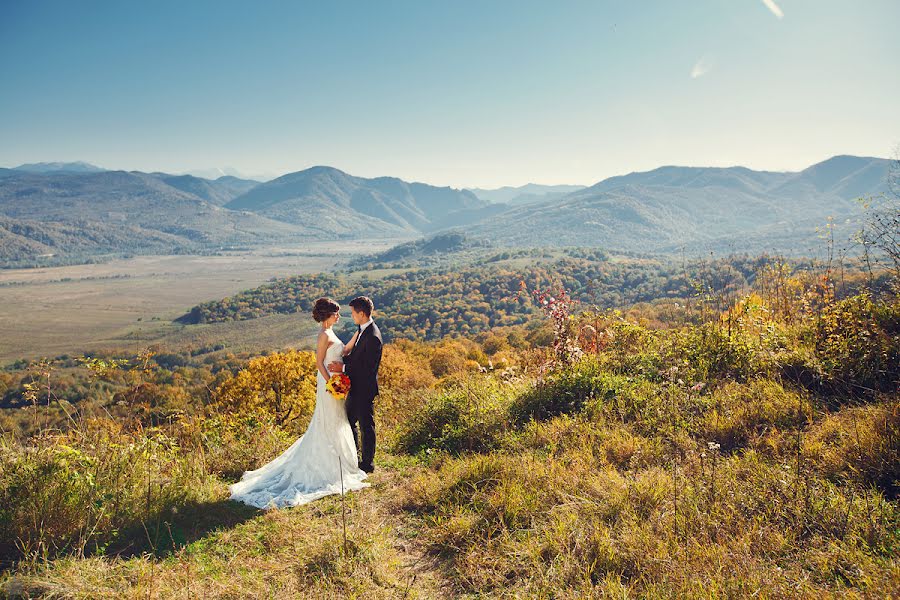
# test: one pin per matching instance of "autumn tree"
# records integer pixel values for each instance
(281, 385)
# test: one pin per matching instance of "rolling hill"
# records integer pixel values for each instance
(336, 203)
(62, 213)
(452, 247)
(22, 241)
(218, 191)
(66, 209)
(525, 194)
(720, 209)
(59, 167)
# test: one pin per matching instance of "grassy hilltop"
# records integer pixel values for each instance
(739, 439)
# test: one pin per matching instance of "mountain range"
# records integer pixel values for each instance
(525, 194)
(337, 203)
(699, 209)
(56, 167)
(75, 210)
(67, 214)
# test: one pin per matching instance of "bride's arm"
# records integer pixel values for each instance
(350, 344)
(321, 349)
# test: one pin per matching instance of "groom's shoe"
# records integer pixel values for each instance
(367, 468)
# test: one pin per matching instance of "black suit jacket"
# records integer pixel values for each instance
(361, 365)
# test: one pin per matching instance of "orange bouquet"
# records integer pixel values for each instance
(338, 385)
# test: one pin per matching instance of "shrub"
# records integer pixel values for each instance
(494, 343)
(621, 344)
(76, 492)
(741, 411)
(229, 444)
(586, 386)
(170, 360)
(466, 416)
(857, 341)
(860, 445)
(402, 381)
(708, 351)
(450, 358)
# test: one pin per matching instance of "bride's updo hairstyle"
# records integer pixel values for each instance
(324, 308)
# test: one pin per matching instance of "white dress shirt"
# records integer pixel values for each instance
(364, 325)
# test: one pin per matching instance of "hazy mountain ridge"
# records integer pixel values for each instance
(732, 208)
(696, 208)
(119, 211)
(219, 191)
(215, 173)
(56, 167)
(524, 194)
(355, 206)
(22, 240)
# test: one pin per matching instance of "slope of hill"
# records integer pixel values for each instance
(844, 177)
(23, 240)
(59, 167)
(115, 211)
(449, 247)
(665, 452)
(731, 209)
(339, 204)
(472, 296)
(219, 191)
(525, 194)
(15, 246)
(664, 210)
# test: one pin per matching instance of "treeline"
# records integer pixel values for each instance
(432, 303)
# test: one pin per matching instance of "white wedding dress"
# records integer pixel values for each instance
(309, 469)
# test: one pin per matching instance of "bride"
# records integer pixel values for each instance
(313, 466)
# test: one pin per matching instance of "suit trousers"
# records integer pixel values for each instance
(361, 410)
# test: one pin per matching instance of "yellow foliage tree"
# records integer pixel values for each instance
(281, 385)
(448, 359)
(401, 368)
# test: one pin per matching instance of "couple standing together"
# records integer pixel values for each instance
(324, 460)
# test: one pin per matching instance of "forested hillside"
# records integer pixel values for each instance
(430, 303)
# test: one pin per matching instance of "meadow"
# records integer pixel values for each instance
(124, 303)
(730, 444)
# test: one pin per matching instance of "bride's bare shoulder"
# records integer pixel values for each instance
(324, 338)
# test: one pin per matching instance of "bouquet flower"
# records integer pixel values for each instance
(338, 385)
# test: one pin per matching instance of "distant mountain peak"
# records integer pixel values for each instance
(310, 173)
(524, 194)
(696, 207)
(322, 169)
(218, 172)
(344, 204)
(842, 162)
(67, 167)
(849, 158)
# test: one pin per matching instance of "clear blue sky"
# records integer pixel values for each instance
(458, 93)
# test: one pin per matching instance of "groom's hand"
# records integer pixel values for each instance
(336, 367)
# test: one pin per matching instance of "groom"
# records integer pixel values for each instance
(361, 366)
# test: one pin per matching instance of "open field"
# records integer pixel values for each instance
(126, 303)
